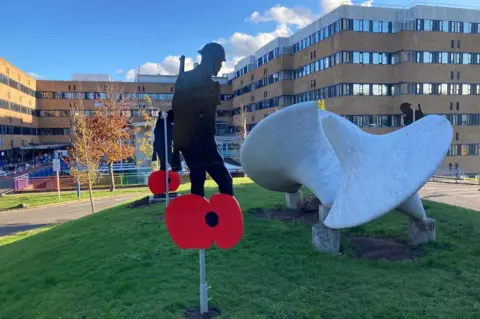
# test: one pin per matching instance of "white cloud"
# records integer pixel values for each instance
(119, 71)
(328, 5)
(238, 46)
(169, 66)
(36, 75)
(245, 44)
(283, 15)
(367, 3)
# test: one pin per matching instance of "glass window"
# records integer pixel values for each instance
(427, 88)
(454, 58)
(366, 26)
(338, 58)
(444, 57)
(454, 89)
(444, 26)
(420, 23)
(366, 89)
(427, 57)
(428, 25)
(347, 57)
(443, 89)
(356, 25)
(356, 57)
(466, 89)
(365, 58)
(376, 26)
(466, 58)
(418, 57)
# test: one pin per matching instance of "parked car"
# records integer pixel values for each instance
(3, 174)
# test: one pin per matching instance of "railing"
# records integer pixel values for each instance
(116, 167)
(49, 183)
(457, 176)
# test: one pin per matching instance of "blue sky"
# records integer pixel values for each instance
(54, 38)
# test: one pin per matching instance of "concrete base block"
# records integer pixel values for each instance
(325, 239)
(293, 200)
(421, 231)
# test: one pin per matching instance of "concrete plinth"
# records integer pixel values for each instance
(293, 200)
(325, 239)
(421, 231)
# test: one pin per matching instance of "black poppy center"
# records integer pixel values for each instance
(169, 181)
(212, 219)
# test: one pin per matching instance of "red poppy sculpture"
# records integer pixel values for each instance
(196, 223)
(157, 182)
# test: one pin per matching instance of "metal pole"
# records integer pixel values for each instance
(203, 284)
(413, 115)
(164, 115)
(78, 179)
(58, 184)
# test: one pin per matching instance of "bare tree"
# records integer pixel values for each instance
(240, 123)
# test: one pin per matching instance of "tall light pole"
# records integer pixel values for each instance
(79, 194)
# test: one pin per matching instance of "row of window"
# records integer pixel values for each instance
(386, 27)
(386, 58)
(16, 85)
(368, 26)
(355, 57)
(396, 120)
(103, 96)
(464, 149)
(447, 26)
(15, 107)
(347, 89)
(20, 130)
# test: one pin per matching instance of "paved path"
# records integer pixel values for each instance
(462, 195)
(20, 220)
(467, 196)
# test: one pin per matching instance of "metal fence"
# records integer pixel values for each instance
(49, 183)
(457, 176)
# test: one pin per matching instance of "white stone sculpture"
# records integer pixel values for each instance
(380, 172)
(290, 148)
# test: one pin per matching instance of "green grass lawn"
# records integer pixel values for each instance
(121, 263)
(40, 199)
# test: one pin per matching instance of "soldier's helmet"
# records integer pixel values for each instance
(405, 107)
(213, 50)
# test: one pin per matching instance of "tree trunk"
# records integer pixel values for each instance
(112, 178)
(91, 195)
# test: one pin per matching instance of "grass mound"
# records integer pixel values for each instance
(121, 263)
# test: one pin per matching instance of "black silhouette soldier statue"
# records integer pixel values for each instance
(159, 143)
(195, 106)
(407, 110)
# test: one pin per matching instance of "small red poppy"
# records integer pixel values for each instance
(156, 182)
(195, 223)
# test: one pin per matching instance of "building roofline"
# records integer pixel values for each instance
(348, 3)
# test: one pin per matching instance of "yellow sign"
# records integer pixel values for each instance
(321, 104)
